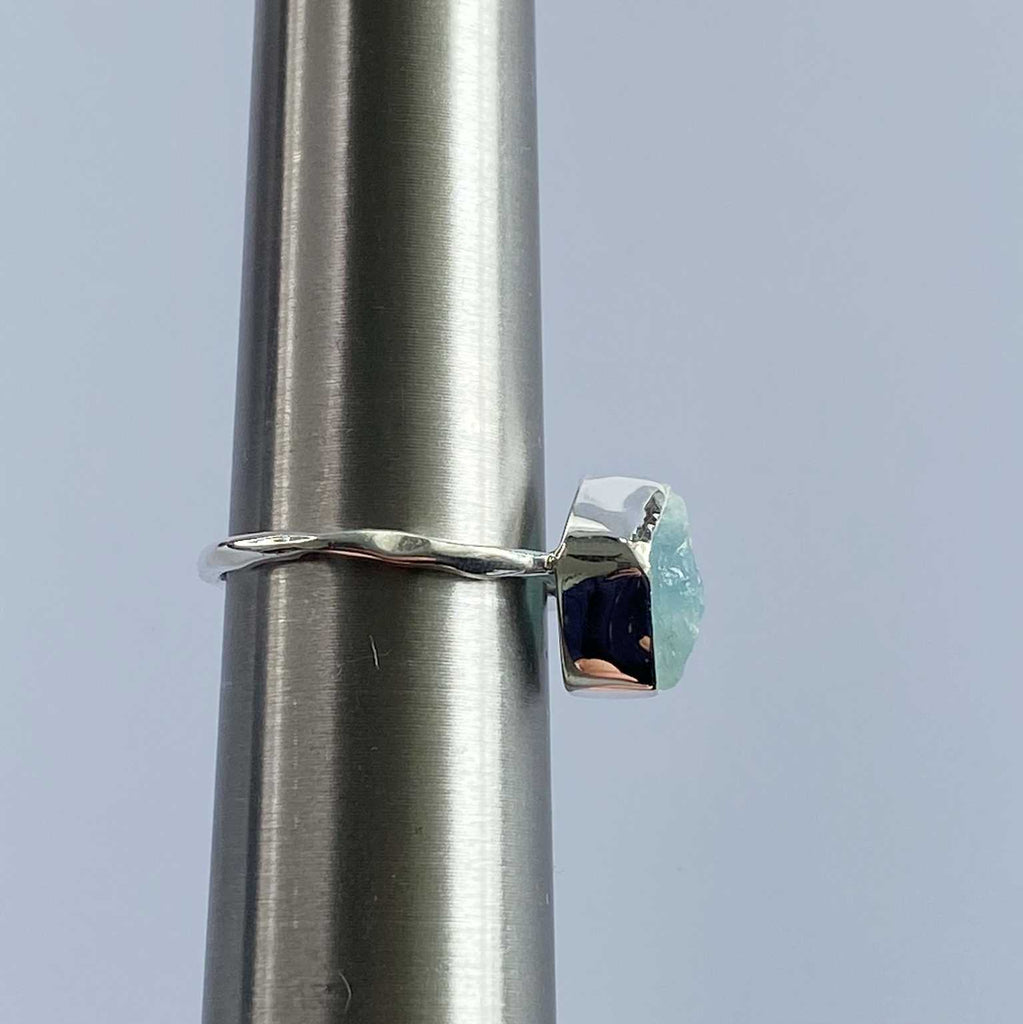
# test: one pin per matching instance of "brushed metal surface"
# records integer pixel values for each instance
(382, 847)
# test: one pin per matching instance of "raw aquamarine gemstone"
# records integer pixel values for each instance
(676, 592)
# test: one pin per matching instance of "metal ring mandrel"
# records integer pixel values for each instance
(629, 594)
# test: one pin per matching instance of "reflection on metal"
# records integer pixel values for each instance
(603, 586)
(607, 632)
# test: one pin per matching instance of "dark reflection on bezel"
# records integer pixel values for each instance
(607, 629)
(603, 583)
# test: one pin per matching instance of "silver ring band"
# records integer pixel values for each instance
(395, 547)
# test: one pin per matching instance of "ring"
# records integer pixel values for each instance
(630, 596)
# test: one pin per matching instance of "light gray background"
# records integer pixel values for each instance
(782, 255)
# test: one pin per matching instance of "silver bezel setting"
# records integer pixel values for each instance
(602, 581)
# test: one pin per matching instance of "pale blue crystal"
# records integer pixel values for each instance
(676, 592)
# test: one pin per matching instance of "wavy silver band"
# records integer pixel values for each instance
(395, 547)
